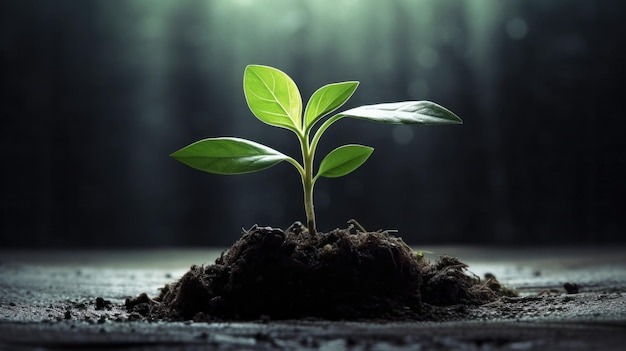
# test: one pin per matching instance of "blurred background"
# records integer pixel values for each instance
(97, 94)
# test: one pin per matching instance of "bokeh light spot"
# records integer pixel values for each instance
(516, 28)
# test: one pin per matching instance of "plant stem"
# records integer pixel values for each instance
(308, 181)
(307, 184)
(308, 206)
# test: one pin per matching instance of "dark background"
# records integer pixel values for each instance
(97, 94)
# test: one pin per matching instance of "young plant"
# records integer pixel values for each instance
(274, 98)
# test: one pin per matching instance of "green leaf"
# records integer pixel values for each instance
(344, 160)
(326, 100)
(407, 112)
(228, 156)
(273, 97)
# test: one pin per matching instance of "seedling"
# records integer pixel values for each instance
(274, 98)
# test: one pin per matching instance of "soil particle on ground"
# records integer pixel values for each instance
(571, 288)
(344, 274)
(102, 304)
(140, 305)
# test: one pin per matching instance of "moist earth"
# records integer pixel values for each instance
(345, 274)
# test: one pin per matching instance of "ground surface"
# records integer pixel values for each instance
(73, 300)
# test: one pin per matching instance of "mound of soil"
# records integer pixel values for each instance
(343, 274)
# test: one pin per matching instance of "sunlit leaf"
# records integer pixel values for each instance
(407, 112)
(228, 156)
(326, 100)
(344, 160)
(273, 97)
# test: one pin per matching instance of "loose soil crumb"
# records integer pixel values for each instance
(344, 274)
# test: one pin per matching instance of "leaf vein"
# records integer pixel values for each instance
(273, 94)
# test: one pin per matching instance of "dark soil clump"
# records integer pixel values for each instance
(276, 274)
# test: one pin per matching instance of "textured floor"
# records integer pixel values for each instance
(49, 300)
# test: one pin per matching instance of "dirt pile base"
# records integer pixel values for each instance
(276, 274)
